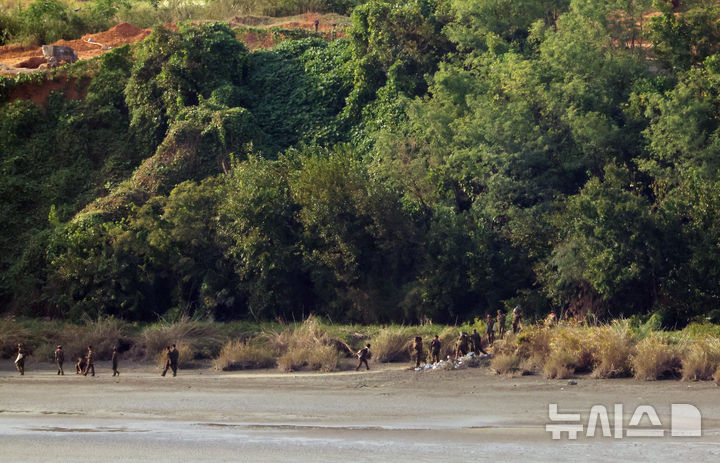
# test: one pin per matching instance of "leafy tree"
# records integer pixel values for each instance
(173, 71)
(612, 241)
(688, 38)
(357, 242)
(396, 44)
(258, 222)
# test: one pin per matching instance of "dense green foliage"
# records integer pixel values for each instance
(449, 158)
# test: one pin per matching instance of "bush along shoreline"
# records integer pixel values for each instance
(620, 349)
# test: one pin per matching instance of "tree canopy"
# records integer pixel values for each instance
(446, 159)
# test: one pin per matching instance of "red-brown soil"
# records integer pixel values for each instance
(88, 46)
(38, 92)
(15, 59)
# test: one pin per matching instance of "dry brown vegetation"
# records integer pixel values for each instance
(203, 339)
(655, 358)
(610, 351)
(606, 351)
(505, 364)
(613, 348)
(701, 360)
(239, 355)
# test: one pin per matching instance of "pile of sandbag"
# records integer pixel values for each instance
(467, 361)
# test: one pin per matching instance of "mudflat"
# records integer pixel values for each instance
(387, 414)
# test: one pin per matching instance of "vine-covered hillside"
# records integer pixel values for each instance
(443, 159)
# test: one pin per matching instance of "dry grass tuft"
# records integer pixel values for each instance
(447, 337)
(570, 346)
(716, 376)
(202, 338)
(307, 346)
(613, 347)
(701, 360)
(654, 358)
(505, 364)
(559, 365)
(11, 334)
(393, 343)
(239, 355)
(534, 342)
(323, 358)
(104, 334)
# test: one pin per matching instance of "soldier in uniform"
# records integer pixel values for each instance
(173, 356)
(363, 356)
(168, 361)
(90, 362)
(501, 323)
(461, 347)
(419, 351)
(516, 320)
(435, 346)
(490, 331)
(476, 342)
(115, 362)
(80, 366)
(60, 359)
(20, 360)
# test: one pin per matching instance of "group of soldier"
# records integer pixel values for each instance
(468, 343)
(86, 363)
(465, 344)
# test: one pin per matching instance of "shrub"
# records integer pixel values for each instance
(203, 338)
(570, 344)
(654, 358)
(559, 365)
(323, 357)
(103, 334)
(702, 330)
(306, 346)
(613, 348)
(716, 376)
(238, 355)
(503, 364)
(11, 334)
(393, 344)
(701, 359)
(534, 342)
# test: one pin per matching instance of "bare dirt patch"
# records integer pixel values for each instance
(88, 46)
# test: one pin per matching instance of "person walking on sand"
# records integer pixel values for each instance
(476, 341)
(363, 356)
(501, 323)
(172, 360)
(419, 351)
(90, 362)
(20, 360)
(435, 346)
(490, 331)
(115, 362)
(60, 359)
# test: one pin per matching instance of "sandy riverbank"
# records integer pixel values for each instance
(387, 414)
